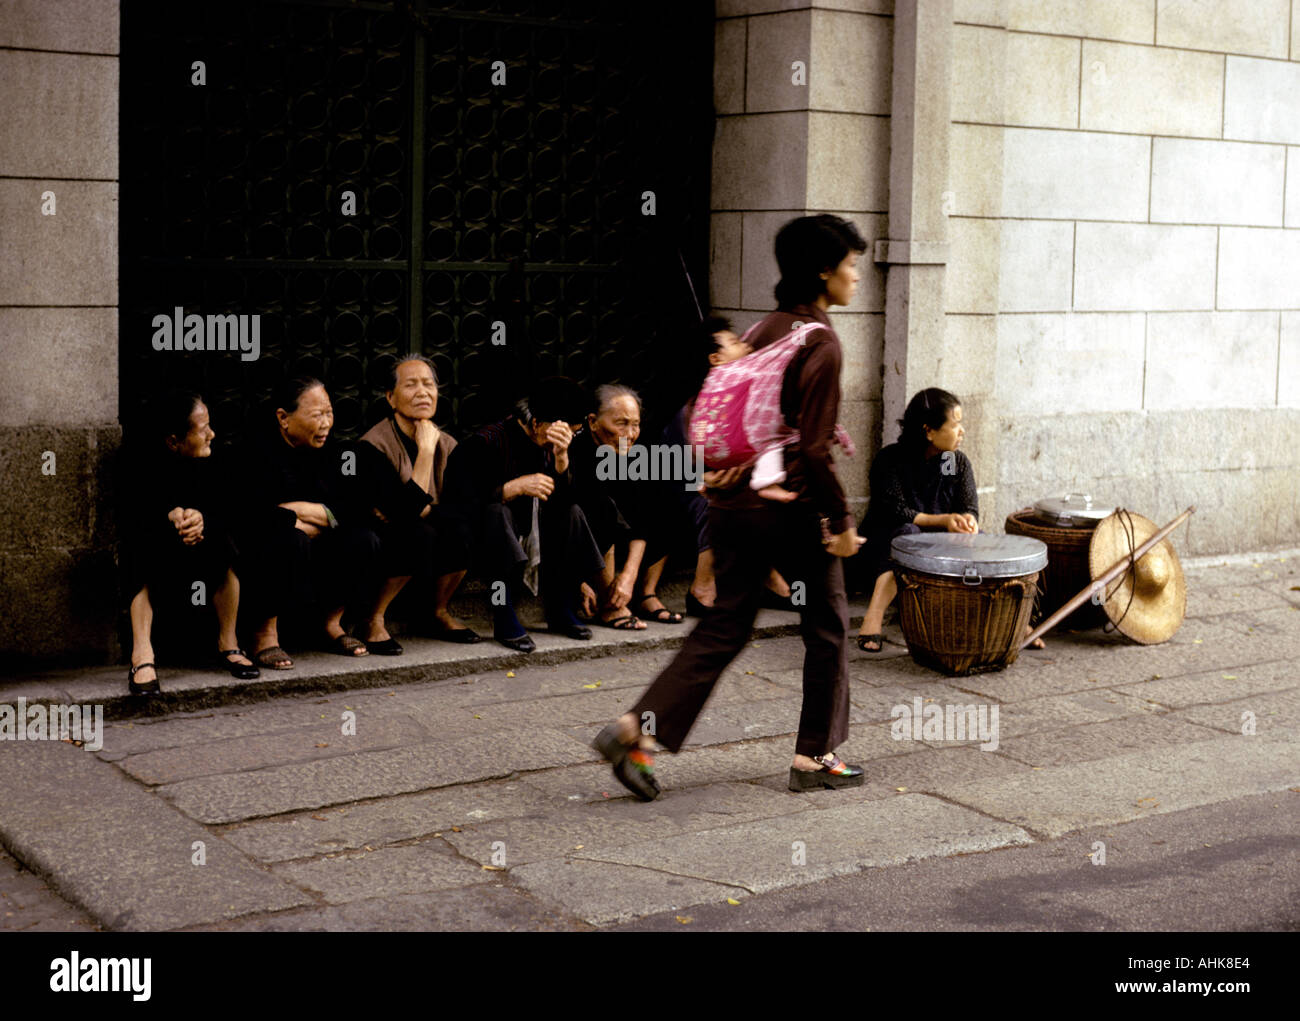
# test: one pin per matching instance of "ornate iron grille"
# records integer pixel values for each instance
(476, 202)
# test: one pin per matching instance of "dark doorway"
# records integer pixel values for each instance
(478, 202)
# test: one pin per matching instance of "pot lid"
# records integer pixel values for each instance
(1072, 509)
(970, 557)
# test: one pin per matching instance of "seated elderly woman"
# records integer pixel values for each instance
(623, 513)
(921, 483)
(516, 481)
(176, 542)
(401, 463)
(306, 533)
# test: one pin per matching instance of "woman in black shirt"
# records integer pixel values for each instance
(304, 527)
(176, 543)
(921, 483)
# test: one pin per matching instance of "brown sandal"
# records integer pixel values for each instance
(273, 658)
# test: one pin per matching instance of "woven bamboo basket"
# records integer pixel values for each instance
(962, 629)
(1067, 572)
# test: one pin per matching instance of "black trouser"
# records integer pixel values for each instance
(569, 555)
(170, 568)
(427, 547)
(291, 572)
(747, 544)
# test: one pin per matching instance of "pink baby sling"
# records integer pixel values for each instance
(737, 414)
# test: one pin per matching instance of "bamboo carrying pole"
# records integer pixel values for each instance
(1100, 583)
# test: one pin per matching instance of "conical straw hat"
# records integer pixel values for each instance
(1146, 603)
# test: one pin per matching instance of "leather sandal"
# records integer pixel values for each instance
(239, 671)
(273, 658)
(834, 773)
(346, 645)
(627, 622)
(864, 639)
(148, 687)
(663, 615)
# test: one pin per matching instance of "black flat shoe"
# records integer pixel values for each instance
(240, 671)
(388, 647)
(579, 632)
(632, 767)
(695, 608)
(460, 635)
(834, 773)
(524, 643)
(878, 639)
(148, 687)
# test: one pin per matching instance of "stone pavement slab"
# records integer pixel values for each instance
(1274, 711)
(483, 908)
(384, 872)
(789, 850)
(118, 851)
(624, 822)
(1052, 802)
(28, 905)
(384, 821)
(603, 894)
(1103, 740)
(1221, 685)
(170, 765)
(232, 797)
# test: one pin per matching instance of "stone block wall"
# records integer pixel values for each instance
(58, 329)
(783, 150)
(1125, 245)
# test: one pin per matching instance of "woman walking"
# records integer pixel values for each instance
(817, 256)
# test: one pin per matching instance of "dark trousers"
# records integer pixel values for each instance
(747, 544)
(427, 547)
(292, 573)
(569, 552)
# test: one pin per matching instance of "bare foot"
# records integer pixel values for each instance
(1037, 643)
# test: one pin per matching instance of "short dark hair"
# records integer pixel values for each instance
(554, 399)
(392, 373)
(928, 408)
(289, 393)
(169, 415)
(805, 248)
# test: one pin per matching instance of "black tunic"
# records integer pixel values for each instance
(153, 481)
(905, 484)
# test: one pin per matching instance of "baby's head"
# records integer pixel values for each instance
(727, 347)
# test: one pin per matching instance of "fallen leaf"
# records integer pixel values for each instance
(1196, 641)
(749, 671)
(1229, 677)
(1295, 588)
(579, 847)
(390, 694)
(455, 829)
(493, 868)
(900, 789)
(510, 673)
(733, 902)
(322, 744)
(477, 716)
(320, 818)
(684, 919)
(369, 848)
(591, 687)
(437, 834)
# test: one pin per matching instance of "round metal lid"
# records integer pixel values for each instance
(1072, 509)
(970, 557)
